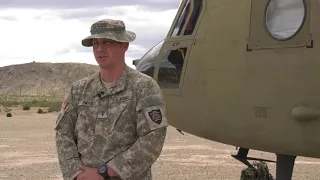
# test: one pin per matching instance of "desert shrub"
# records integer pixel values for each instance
(40, 111)
(26, 107)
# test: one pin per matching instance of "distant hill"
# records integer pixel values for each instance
(50, 79)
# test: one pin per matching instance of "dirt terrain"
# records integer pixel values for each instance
(27, 151)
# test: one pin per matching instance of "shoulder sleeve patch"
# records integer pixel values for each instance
(156, 117)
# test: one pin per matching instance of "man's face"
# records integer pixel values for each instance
(108, 52)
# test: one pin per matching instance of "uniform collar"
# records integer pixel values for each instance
(99, 89)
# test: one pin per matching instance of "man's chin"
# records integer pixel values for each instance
(105, 65)
(103, 62)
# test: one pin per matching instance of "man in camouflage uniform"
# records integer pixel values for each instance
(112, 121)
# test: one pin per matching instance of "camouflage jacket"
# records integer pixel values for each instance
(122, 126)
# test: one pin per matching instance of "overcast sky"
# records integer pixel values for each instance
(52, 30)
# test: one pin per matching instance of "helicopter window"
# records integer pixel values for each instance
(284, 18)
(192, 21)
(169, 76)
(147, 63)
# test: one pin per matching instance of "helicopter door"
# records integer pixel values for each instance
(173, 57)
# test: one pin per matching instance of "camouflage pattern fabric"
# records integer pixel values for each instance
(259, 171)
(109, 29)
(123, 126)
(114, 178)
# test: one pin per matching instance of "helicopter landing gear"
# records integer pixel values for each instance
(242, 156)
(284, 163)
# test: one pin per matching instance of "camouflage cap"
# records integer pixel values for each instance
(109, 29)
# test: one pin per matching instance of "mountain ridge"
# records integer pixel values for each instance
(42, 78)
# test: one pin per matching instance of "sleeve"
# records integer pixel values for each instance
(69, 159)
(151, 129)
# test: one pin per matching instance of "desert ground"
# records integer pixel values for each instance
(27, 151)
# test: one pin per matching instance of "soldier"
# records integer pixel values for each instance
(113, 123)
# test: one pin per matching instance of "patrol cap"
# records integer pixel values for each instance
(109, 29)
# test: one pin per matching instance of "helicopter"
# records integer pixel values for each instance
(243, 73)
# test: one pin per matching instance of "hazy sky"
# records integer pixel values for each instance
(52, 30)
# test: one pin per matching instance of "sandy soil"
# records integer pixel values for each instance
(27, 151)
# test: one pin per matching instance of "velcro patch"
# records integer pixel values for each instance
(155, 116)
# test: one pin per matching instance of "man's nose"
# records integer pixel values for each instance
(99, 47)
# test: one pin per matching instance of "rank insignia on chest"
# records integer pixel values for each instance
(155, 116)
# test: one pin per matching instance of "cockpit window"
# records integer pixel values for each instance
(284, 18)
(181, 21)
(148, 61)
(197, 4)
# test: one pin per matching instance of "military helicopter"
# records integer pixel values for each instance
(243, 73)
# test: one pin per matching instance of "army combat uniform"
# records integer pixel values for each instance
(123, 126)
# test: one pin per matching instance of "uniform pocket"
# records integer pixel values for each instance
(87, 115)
(85, 127)
(112, 117)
